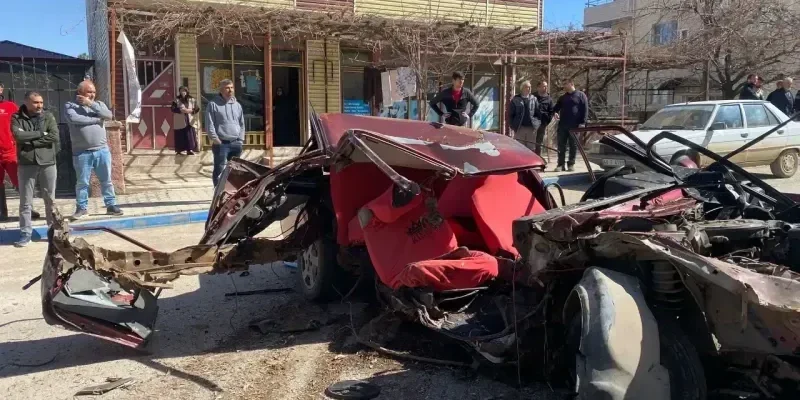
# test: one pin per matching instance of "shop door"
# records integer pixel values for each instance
(287, 103)
(154, 130)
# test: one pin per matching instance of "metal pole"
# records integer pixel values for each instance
(624, 75)
(707, 79)
(549, 61)
(113, 59)
(270, 127)
(646, 90)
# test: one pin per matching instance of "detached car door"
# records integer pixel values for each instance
(726, 133)
(759, 120)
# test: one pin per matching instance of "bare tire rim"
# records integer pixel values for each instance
(788, 162)
(310, 271)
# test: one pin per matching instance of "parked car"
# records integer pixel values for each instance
(720, 126)
(635, 292)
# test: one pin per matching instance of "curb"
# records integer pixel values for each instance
(567, 180)
(9, 236)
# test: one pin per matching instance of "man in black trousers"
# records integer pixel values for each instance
(571, 111)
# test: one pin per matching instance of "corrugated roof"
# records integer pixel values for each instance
(9, 49)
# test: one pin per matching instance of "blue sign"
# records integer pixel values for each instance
(357, 107)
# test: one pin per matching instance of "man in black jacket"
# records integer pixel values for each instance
(572, 111)
(455, 99)
(523, 116)
(36, 134)
(782, 98)
(545, 103)
(749, 89)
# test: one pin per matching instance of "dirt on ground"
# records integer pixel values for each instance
(209, 346)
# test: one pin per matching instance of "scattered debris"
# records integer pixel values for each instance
(112, 383)
(353, 390)
(260, 291)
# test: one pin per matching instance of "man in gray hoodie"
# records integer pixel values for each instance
(225, 127)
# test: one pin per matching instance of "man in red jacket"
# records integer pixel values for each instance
(8, 153)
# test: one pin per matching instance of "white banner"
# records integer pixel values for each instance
(132, 80)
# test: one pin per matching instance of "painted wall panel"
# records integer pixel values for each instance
(320, 76)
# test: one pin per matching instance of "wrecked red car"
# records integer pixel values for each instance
(653, 280)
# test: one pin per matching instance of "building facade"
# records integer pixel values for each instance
(288, 80)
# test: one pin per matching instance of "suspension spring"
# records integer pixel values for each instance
(668, 289)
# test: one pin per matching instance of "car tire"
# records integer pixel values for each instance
(678, 355)
(785, 166)
(687, 378)
(318, 269)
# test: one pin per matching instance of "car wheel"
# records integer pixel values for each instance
(317, 269)
(677, 353)
(687, 379)
(785, 166)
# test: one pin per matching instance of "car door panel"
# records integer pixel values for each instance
(724, 141)
(759, 119)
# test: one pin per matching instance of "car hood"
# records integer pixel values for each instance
(646, 136)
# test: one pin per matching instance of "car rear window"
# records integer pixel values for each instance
(756, 115)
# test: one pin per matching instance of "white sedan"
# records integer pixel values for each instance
(721, 126)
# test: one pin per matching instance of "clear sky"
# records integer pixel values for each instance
(60, 25)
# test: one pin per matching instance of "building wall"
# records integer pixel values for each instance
(186, 60)
(323, 100)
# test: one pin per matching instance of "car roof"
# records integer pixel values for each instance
(464, 149)
(717, 102)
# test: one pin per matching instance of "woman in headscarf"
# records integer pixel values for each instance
(184, 107)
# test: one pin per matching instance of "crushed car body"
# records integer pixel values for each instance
(632, 292)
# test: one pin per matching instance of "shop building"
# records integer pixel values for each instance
(284, 81)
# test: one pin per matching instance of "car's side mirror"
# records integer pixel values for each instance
(717, 126)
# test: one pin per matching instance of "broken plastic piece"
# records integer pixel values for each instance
(113, 383)
(353, 390)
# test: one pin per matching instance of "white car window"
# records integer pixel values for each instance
(756, 115)
(773, 120)
(730, 115)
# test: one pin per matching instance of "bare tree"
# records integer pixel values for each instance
(733, 38)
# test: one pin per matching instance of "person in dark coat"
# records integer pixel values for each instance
(185, 107)
(455, 99)
(782, 97)
(572, 111)
(523, 116)
(545, 104)
(749, 90)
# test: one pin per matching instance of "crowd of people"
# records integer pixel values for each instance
(782, 97)
(29, 147)
(529, 114)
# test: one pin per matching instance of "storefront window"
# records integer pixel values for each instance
(249, 85)
(244, 66)
(353, 101)
(287, 56)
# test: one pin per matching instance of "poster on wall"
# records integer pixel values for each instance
(398, 109)
(356, 107)
(212, 76)
(487, 92)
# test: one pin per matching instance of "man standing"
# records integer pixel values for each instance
(749, 89)
(86, 119)
(545, 103)
(523, 116)
(8, 154)
(225, 128)
(36, 135)
(455, 99)
(782, 98)
(572, 111)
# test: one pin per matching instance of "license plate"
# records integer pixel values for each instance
(610, 162)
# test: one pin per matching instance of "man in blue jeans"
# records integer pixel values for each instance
(225, 128)
(86, 120)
